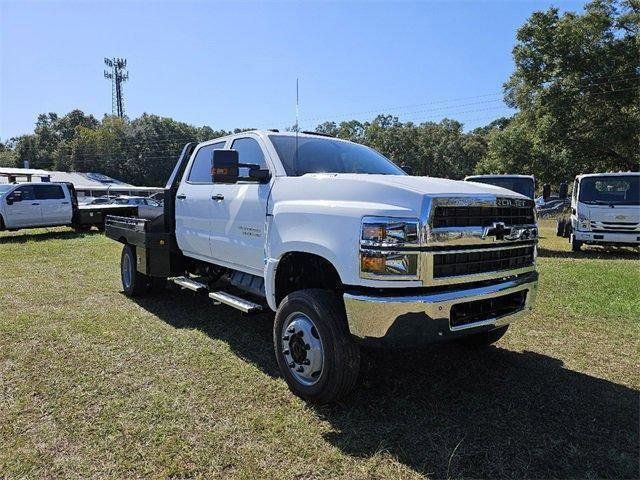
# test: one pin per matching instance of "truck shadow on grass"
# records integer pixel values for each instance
(17, 237)
(446, 411)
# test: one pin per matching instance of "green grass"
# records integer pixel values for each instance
(94, 384)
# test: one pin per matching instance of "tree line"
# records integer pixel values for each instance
(575, 85)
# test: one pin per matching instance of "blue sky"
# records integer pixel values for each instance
(235, 64)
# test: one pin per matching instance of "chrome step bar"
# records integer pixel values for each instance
(189, 284)
(236, 302)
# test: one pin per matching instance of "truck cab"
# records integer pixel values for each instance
(605, 210)
(522, 184)
(341, 244)
(37, 204)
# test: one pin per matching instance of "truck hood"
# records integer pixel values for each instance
(362, 194)
(615, 214)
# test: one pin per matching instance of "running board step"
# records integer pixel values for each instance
(188, 283)
(236, 302)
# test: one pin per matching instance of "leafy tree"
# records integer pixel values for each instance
(577, 85)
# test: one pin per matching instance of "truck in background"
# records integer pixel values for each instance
(522, 184)
(605, 210)
(48, 204)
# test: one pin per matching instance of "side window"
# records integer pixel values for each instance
(48, 192)
(249, 151)
(201, 168)
(23, 193)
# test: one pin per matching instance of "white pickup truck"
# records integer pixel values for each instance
(605, 210)
(47, 204)
(339, 242)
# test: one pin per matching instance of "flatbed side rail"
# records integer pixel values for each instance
(128, 223)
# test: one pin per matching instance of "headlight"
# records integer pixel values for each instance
(583, 223)
(379, 238)
(389, 232)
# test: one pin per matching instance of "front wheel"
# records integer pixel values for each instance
(576, 245)
(314, 350)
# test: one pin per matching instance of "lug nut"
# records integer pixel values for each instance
(300, 369)
(307, 362)
(292, 364)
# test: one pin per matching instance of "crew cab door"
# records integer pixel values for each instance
(194, 205)
(22, 209)
(239, 213)
(55, 203)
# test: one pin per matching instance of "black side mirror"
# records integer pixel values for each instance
(9, 200)
(260, 175)
(224, 166)
(546, 191)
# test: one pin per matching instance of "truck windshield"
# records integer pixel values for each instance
(524, 186)
(5, 188)
(613, 190)
(325, 155)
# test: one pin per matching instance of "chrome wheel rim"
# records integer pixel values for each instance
(302, 348)
(126, 271)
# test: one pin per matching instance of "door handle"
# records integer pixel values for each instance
(35, 204)
(65, 203)
(217, 197)
(181, 197)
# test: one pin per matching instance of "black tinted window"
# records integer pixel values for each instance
(48, 192)
(201, 168)
(23, 193)
(325, 155)
(249, 151)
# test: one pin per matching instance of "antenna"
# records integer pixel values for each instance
(297, 124)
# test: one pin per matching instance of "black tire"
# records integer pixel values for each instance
(576, 245)
(560, 227)
(340, 355)
(134, 283)
(484, 339)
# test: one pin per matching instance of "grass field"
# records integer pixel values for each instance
(94, 384)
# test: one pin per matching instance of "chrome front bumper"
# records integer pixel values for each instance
(426, 317)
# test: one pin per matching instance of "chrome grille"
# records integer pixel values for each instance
(481, 216)
(482, 261)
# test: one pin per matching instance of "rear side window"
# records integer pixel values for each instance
(48, 192)
(201, 168)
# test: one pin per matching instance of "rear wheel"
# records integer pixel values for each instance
(484, 339)
(134, 283)
(314, 349)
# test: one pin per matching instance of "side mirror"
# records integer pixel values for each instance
(9, 200)
(546, 191)
(224, 166)
(259, 175)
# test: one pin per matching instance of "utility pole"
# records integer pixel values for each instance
(117, 74)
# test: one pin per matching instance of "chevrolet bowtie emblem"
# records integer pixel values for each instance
(497, 230)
